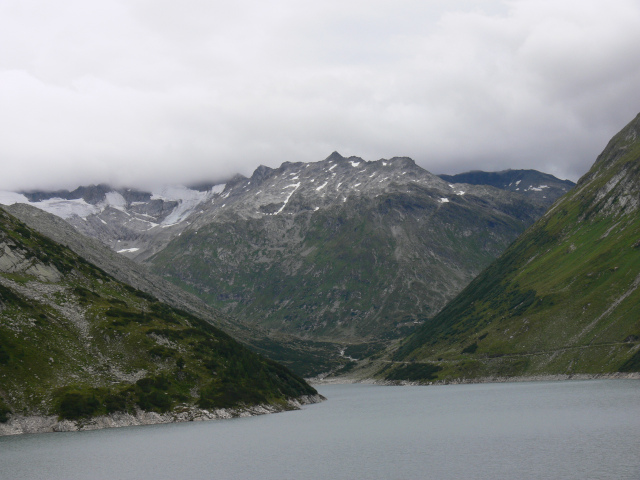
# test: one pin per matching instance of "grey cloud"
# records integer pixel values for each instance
(140, 93)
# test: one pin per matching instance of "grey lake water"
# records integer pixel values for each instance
(533, 430)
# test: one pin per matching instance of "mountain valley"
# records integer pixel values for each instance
(324, 261)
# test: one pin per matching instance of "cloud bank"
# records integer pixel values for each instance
(141, 93)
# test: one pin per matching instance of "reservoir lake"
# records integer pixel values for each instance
(526, 430)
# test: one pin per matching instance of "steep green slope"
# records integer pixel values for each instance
(76, 343)
(563, 299)
(305, 357)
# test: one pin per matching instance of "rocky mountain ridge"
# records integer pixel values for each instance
(138, 223)
(537, 186)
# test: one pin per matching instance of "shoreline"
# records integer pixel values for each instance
(27, 424)
(463, 381)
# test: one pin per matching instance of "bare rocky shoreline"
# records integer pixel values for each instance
(19, 424)
(460, 381)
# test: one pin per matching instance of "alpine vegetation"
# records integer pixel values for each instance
(563, 299)
(79, 349)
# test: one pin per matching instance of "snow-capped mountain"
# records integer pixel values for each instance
(132, 222)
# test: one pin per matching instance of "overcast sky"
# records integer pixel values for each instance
(142, 92)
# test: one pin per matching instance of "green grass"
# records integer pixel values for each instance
(563, 298)
(86, 364)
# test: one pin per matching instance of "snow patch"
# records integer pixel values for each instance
(115, 200)
(67, 208)
(321, 186)
(188, 200)
(127, 250)
(218, 189)
(296, 186)
(333, 166)
(57, 206)
(444, 200)
(354, 164)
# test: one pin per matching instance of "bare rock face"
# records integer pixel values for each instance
(14, 260)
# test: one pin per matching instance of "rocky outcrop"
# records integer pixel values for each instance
(12, 260)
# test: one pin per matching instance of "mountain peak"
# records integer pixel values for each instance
(260, 173)
(237, 178)
(617, 146)
(335, 156)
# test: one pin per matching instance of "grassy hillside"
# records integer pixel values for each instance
(77, 343)
(305, 357)
(563, 299)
